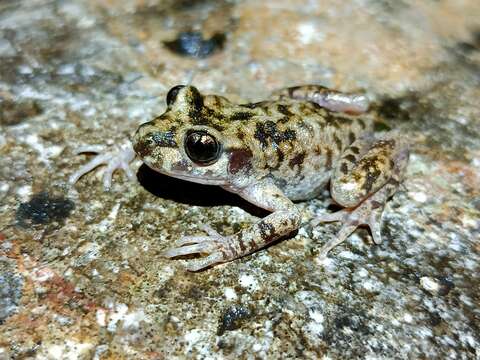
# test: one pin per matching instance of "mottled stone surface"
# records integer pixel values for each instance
(81, 274)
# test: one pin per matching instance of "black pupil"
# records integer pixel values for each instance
(201, 147)
(172, 94)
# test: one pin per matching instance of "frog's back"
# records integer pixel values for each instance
(296, 143)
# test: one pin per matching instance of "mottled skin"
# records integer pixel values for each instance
(271, 153)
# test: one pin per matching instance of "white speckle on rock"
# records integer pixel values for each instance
(371, 285)
(348, 255)
(316, 316)
(362, 273)
(69, 350)
(327, 263)
(25, 70)
(101, 317)
(196, 338)
(131, 320)
(230, 294)
(6, 48)
(42, 275)
(308, 33)
(24, 192)
(105, 224)
(4, 187)
(165, 274)
(419, 196)
(45, 153)
(429, 284)
(407, 318)
(66, 69)
(3, 141)
(249, 282)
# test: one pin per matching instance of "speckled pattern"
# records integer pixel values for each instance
(89, 281)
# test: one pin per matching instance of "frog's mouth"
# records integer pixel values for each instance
(204, 180)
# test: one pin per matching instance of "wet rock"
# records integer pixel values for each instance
(11, 284)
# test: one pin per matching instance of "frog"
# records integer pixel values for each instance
(272, 153)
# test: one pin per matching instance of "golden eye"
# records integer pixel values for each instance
(202, 148)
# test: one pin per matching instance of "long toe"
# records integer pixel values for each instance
(200, 264)
(189, 250)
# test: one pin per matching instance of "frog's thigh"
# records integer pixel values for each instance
(330, 99)
(368, 173)
(365, 167)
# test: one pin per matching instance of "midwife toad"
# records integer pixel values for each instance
(270, 153)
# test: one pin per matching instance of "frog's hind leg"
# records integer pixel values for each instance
(330, 99)
(366, 176)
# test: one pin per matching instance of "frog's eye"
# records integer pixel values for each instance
(202, 148)
(172, 94)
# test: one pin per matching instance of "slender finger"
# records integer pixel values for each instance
(128, 171)
(108, 174)
(188, 250)
(337, 216)
(184, 240)
(210, 231)
(97, 161)
(344, 232)
(200, 264)
(375, 224)
(89, 149)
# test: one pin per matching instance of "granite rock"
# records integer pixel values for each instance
(81, 272)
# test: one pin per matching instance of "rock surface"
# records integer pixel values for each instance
(81, 276)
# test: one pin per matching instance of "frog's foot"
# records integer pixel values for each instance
(214, 245)
(119, 157)
(369, 213)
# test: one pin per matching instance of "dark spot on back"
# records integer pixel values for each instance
(240, 134)
(254, 105)
(355, 150)
(372, 174)
(297, 160)
(351, 137)
(338, 142)
(344, 168)
(241, 116)
(362, 124)
(283, 109)
(267, 231)
(265, 131)
(328, 163)
(44, 209)
(350, 158)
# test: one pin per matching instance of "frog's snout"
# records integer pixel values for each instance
(149, 140)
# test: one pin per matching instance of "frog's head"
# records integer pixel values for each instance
(186, 141)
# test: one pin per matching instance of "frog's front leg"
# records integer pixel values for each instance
(219, 249)
(330, 99)
(118, 157)
(368, 173)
